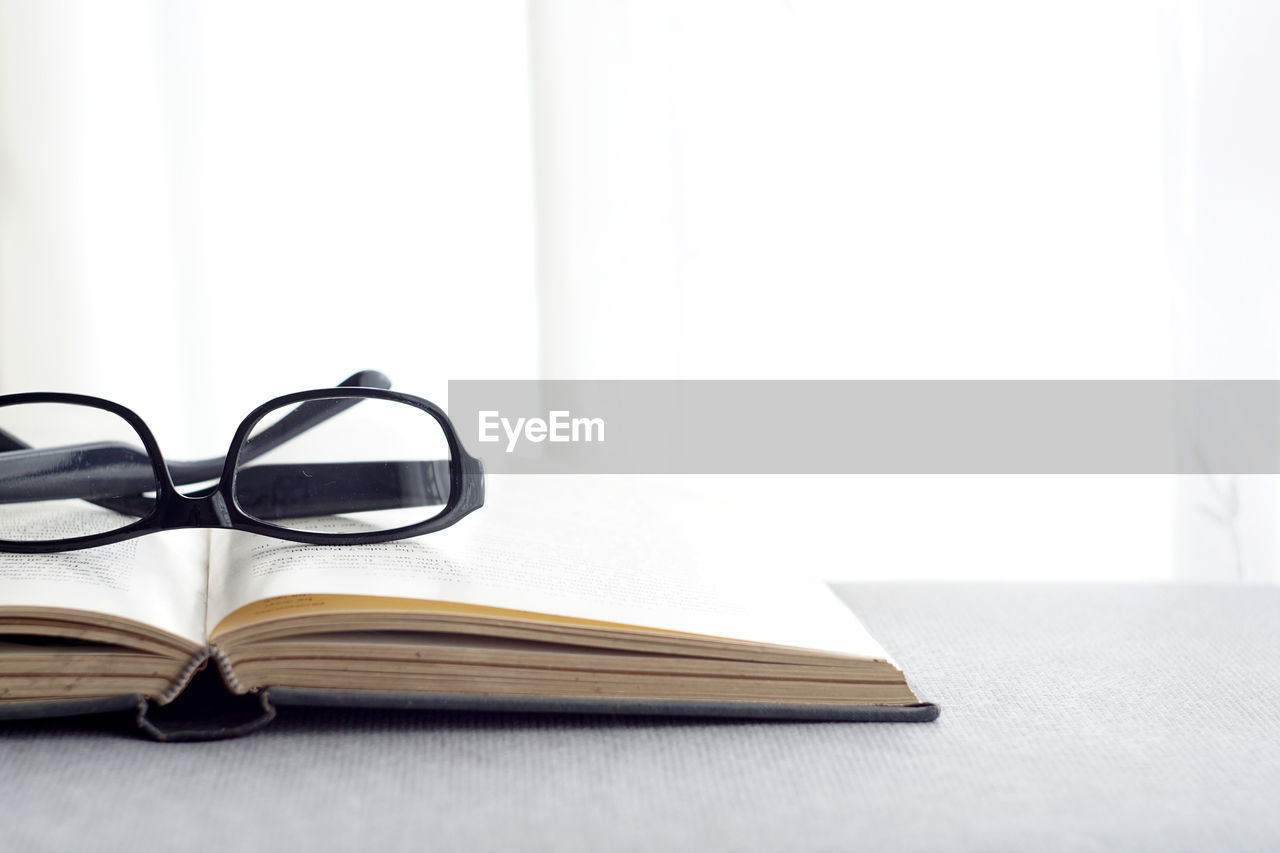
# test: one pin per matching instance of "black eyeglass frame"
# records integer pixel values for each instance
(216, 507)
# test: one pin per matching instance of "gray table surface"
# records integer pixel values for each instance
(1073, 718)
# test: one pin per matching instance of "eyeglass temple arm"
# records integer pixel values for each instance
(306, 416)
(120, 474)
(130, 468)
(270, 492)
(263, 491)
(298, 421)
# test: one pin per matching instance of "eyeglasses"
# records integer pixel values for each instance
(353, 464)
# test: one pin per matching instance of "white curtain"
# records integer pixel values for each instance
(869, 190)
(204, 204)
(207, 204)
(1224, 216)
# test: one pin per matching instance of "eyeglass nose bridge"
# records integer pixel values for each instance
(206, 508)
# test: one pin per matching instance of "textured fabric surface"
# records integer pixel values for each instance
(1073, 718)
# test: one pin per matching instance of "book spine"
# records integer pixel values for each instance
(205, 703)
(199, 661)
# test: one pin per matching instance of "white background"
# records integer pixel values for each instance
(206, 204)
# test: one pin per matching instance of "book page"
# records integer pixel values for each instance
(158, 580)
(625, 550)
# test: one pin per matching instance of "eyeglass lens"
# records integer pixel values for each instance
(70, 470)
(374, 466)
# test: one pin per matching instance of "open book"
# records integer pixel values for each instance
(562, 594)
